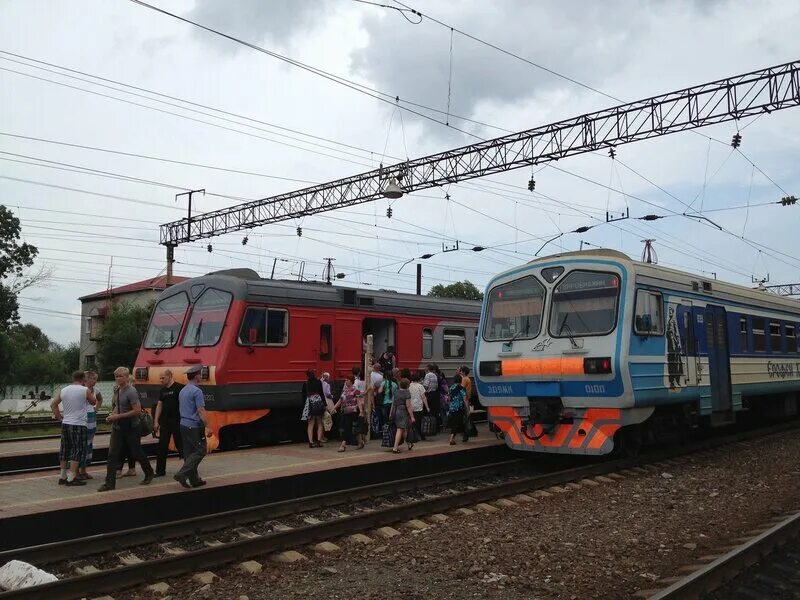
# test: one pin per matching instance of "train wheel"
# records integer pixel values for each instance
(628, 442)
(227, 439)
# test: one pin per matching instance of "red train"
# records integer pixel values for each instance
(255, 338)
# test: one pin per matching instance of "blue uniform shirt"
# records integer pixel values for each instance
(190, 399)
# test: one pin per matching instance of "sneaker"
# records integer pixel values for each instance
(198, 483)
(147, 479)
(181, 480)
(62, 481)
(74, 482)
(105, 488)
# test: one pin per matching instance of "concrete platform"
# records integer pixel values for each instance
(235, 480)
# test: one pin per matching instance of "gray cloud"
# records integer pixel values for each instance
(256, 20)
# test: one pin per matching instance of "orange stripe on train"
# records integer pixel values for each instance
(559, 365)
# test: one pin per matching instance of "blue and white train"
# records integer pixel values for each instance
(583, 351)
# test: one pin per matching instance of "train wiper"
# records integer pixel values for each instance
(570, 333)
(522, 332)
(197, 334)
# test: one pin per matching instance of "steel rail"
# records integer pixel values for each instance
(716, 574)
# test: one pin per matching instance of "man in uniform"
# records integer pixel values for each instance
(125, 431)
(75, 399)
(194, 428)
(167, 421)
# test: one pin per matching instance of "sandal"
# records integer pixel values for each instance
(395, 451)
(341, 449)
(453, 443)
(411, 446)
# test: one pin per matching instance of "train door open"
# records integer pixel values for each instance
(325, 358)
(384, 334)
(719, 366)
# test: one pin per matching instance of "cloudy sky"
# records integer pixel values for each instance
(91, 166)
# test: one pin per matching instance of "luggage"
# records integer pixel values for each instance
(389, 431)
(428, 425)
(145, 424)
(412, 437)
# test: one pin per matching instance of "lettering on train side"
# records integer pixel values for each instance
(595, 388)
(500, 389)
(781, 370)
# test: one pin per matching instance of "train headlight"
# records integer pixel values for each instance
(597, 366)
(490, 368)
(141, 373)
(204, 373)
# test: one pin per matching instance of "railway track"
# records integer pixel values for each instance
(215, 540)
(35, 423)
(765, 566)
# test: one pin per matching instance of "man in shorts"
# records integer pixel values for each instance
(76, 399)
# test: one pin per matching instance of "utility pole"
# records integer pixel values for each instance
(171, 247)
(328, 273)
(419, 279)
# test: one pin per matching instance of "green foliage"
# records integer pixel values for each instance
(123, 331)
(461, 289)
(28, 356)
(14, 259)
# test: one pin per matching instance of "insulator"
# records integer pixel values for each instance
(737, 140)
(209, 248)
(612, 153)
(299, 232)
(389, 213)
(244, 241)
(531, 184)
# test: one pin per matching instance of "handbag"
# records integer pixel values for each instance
(428, 425)
(412, 437)
(389, 431)
(327, 421)
(145, 423)
(316, 405)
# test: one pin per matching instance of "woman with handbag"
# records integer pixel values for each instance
(350, 405)
(314, 408)
(402, 415)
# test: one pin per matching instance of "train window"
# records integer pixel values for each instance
(264, 327)
(775, 340)
(455, 343)
(759, 338)
(584, 303)
(208, 318)
(649, 319)
(325, 342)
(427, 343)
(166, 322)
(791, 339)
(743, 334)
(514, 310)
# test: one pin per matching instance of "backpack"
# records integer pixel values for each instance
(316, 405)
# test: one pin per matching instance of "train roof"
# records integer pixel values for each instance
(246, 284)
(683, 281)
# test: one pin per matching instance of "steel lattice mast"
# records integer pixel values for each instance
(765, 90)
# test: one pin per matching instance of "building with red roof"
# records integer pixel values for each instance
(94, 308)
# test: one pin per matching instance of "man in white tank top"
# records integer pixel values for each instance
(75, 400)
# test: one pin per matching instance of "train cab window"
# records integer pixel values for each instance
(325, 342)
(775, 339)
(743, 345)
(427, 343)
(514, 310)
(455, 343)
(759, 336)
(791, 338)
(264, 327)
(584, 303)
(165, 325)
(208, 318)
(649, 319)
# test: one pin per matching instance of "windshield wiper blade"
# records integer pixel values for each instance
(570, 333)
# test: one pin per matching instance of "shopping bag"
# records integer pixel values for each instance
(412, 437)
(327, 421)
(428, 425)
(389, 431)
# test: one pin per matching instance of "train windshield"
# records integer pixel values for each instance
(208, 318)
(514, 310)
(165, 326)
(584, 303)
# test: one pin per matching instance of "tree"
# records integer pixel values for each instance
(123, 331)
(460, 289)
(15, 258)
(33, 358)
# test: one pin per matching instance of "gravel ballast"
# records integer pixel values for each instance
(609, 540)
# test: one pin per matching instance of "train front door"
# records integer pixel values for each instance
(719, 366)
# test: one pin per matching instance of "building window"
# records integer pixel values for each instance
(791, 339)
(455, 343)
(264, 327)
(759, 337)
(427, 343)
(743, 334)
(649, 318)
(90, 362)
(88, 329)
(96, 327)
(775, 341)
